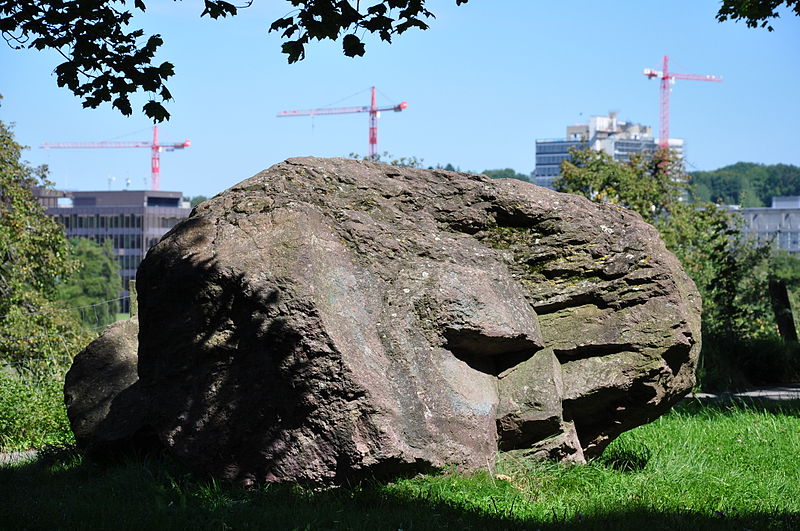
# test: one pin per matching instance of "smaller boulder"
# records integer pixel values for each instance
(101, 374)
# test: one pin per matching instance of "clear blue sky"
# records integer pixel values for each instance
(485, 81)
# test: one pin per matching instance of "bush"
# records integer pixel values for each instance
(730, 364)
(32, 412)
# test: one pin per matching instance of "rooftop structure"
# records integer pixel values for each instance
(604, 133)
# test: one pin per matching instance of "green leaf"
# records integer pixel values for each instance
(156, 111)
(378, 23)
(294, 49)
(166, 70)
(378, 9)
(349, 15)
(408, 24)
(352, 46)
(123, 104)
(218, 8)
(281, 23)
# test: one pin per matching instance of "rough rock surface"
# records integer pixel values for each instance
(99, 373)
(329, 319)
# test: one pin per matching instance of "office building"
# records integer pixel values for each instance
(604, 133)
(777, 225)
(133, 220)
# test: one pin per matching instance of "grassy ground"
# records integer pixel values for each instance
(700, 467)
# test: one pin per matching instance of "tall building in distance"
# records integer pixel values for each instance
(604, 133)
(133, 220)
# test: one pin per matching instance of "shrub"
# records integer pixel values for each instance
(32, 412)
(730, 363)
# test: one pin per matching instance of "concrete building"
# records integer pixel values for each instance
(133, 220)
(777, 225)
(604, 133)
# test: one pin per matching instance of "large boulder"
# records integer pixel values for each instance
(327, 320)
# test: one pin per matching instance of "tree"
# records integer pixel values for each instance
(95, 288)
(104, 61)
(388, 158)
(747, 184)
(196, 200)
(755, 12)
(446, 167)
(506, 173)
(731, 273)
(34, 260)
(649, 184)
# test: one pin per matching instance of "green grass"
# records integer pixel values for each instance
(699, 467)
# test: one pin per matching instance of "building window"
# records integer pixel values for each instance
(163, 202)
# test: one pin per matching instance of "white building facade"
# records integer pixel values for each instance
(604, 133)
(777, 225)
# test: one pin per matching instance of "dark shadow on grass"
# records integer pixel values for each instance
(730, 404)
(153, 491)
(625, 459)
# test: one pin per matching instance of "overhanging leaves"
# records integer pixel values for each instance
(106, 62)
(755, 13)
(218, 8)
(352, 46)
(332, 19)
(103, 61)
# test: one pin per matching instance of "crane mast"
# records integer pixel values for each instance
(668, 78)
(372, 109)
(155, 151)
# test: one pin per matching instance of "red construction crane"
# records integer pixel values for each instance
(155, 151)
(373, 111)
(668, 78)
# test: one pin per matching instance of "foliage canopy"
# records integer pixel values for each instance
(105, 61)
(646, 184)
(755, 13)
(196, 200)
(34, 260)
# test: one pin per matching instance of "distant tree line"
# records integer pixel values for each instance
(506, 173)
(415, 162)
(746, 184)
